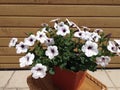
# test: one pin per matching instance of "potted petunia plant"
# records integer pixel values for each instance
(65, 46)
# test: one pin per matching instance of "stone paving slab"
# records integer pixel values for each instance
(115, 76)
(111, 89)
(19, 79)
(23, 89)
(102, 76)
(1, 88)
(8, 89)
(4, 77)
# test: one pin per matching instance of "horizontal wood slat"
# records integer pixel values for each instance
(113, 66)
(13, 32)
(15, 59)
(9, 59)
(12, 66)
(6, 51)
(59, 10)
(5, 41)
(37, 21)
(60, 1)
(3, 66)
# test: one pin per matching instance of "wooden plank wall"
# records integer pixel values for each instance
(20, 16)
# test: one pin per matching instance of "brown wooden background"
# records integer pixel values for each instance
(20, 16)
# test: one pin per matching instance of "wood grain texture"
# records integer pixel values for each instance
(6, 51)
(18, 17)
(59, 10)
(12, 66)
(5, 41)
(6, 66)
(13, 32)
(115, 2)
(81, 21)
(113, 66)
(9, 59)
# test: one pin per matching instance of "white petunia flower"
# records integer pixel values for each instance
(51, 52)
(118, 46)
(103, 60)
(61, 24)
(87, 35)
(13, 42)
(56, 26)
(39, 71)
(49, 41)
(30, 40)
(85, 28)
(90, 48)
(62, 29)
(26, 60)
(117, 41)
(79, 34)
(112, 47)
(118, 51)
(21, 48)
(72, 24)
(41, 36)
(95, 36)
(44, 25)
(98, 30)
(44, 30)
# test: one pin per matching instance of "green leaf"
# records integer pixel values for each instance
(51, 71)
(63, 65)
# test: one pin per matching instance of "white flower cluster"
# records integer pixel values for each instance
(90, 48)
(114, 46)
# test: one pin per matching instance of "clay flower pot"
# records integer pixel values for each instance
(68, 80)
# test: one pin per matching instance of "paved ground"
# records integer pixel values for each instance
(16, 80)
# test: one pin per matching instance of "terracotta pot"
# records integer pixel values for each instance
(68, 80)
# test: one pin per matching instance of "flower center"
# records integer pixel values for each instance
(103, 59)
(48, 40)
(90, 47)
(113, 48)
(28, 58)
(98, 31)
(22, 46)
(95, 37)
(118, 47)
(80, 34)
(64, 30)
(39, 69)
(53, 51)
(40, 36)
(31, 39)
